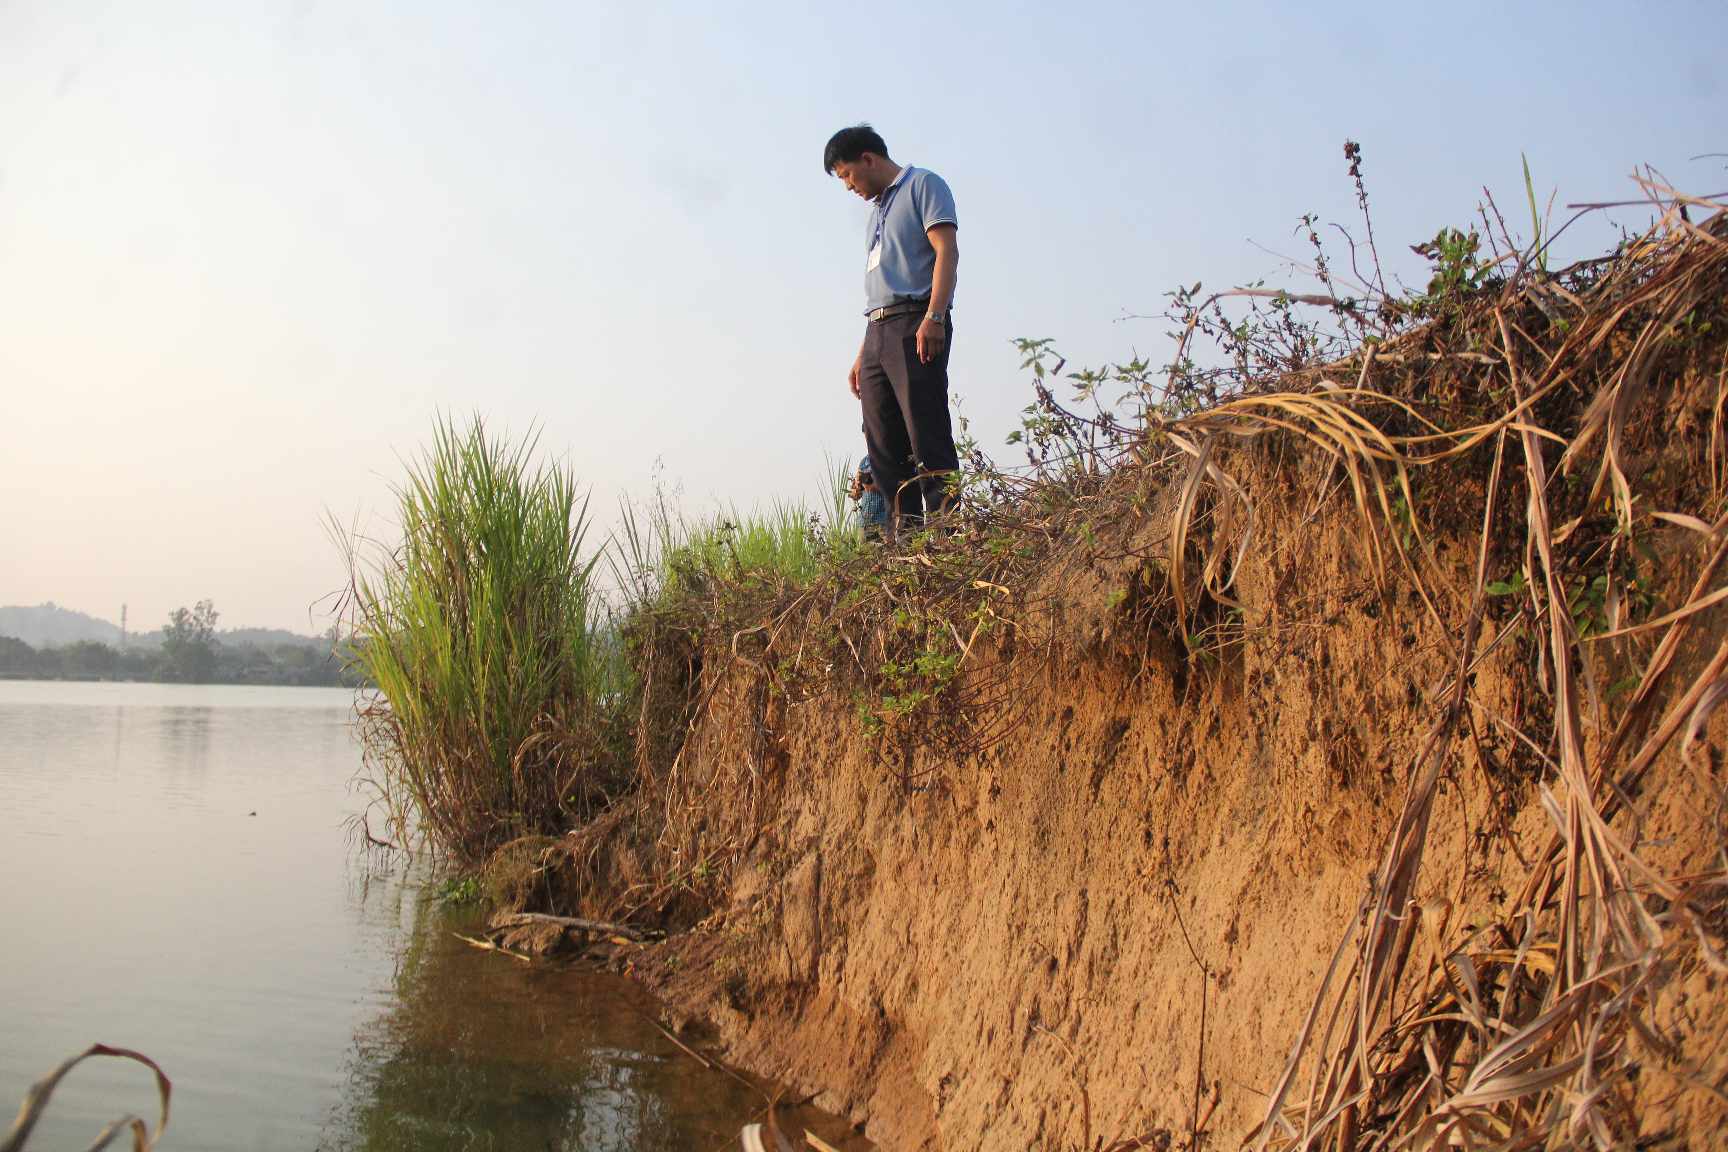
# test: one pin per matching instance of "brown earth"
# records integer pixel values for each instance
(977, 963)
(1113, 920)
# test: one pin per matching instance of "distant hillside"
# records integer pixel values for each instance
(51, 626)
(267, 638)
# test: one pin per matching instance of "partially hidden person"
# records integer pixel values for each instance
(911, 261)
(872, 505)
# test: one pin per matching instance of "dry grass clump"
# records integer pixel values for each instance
(1531, 1031)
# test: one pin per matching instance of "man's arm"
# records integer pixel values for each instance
(944, 238)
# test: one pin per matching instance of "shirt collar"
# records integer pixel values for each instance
(894, 183)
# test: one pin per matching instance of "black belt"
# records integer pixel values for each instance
(898, 309)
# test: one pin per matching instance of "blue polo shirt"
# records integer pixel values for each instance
(916, 202)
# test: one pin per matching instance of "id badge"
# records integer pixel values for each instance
(875, 259)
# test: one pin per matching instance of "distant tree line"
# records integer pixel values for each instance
(189, 653)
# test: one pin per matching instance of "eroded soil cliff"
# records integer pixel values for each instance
(1406, 819)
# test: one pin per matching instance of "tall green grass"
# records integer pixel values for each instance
(505, 692)
(777, 544)
(498, 665)
(664, 555)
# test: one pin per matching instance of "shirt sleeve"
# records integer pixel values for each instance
(934, 201)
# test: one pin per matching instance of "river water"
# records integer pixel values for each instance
(175, 877)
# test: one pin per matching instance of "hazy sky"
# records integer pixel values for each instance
(249, 250)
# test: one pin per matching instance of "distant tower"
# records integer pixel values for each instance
(122, 627)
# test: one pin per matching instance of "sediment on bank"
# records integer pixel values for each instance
(1332, 761)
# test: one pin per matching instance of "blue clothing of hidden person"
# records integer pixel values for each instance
(872, 505)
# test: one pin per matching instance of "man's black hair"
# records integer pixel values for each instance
(849, 144)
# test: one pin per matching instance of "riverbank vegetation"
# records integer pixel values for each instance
(501, 674)
(1534, 466)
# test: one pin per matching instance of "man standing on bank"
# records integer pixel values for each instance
(901, 374)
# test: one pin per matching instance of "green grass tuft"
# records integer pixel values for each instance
(496, 660)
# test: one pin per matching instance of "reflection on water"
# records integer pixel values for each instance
(479, 1052)
(176, 879)
(185, 737)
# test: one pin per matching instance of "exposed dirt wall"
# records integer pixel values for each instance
(1006, 953)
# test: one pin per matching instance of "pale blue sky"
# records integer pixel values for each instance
(248, 250)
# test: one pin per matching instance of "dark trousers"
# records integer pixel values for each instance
(906, 423)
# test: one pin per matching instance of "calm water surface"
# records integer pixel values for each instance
(175, 877)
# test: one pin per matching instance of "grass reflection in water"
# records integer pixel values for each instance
(475, 1052)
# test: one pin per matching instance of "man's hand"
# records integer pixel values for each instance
(931, 337)
(852, 376)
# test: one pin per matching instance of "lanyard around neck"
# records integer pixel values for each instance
(886, 200)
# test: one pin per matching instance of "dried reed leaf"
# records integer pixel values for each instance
(36, 1101)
